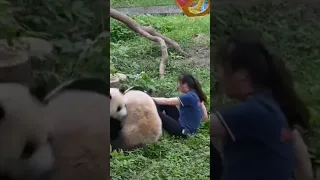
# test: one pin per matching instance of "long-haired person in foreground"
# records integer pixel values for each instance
(261, 142)
(185, 121)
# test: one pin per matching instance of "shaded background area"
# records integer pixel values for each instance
(78, 29)
(291, 30)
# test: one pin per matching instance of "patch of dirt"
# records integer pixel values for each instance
(199, 53)
(200, 57)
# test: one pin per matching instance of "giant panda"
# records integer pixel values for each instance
(47, 140)
(25, 151)
(80, 130)
(118, 111)
(141, 125)
(77, 103)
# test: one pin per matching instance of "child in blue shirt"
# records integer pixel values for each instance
(258, 130)
(187, 120)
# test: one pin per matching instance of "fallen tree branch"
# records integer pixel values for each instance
(151, 34)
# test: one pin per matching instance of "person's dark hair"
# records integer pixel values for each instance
(194, 84)
(244, 51)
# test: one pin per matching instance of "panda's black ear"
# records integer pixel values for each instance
(122, 89)
(2, 113)
(39, 91)
(110, 96)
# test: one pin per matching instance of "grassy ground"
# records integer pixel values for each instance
(139, 59)
(140, 3)
(291, 32)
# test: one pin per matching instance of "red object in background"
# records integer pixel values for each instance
(182, 2)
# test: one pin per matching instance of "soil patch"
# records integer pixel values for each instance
(199, 52)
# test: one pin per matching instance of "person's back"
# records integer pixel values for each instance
(257, 147)
(190, 111)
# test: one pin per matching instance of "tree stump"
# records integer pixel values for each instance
(115, 80)
(15, 64)
(15, 67)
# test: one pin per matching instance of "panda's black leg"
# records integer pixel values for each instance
(119, 143)
(115, 128)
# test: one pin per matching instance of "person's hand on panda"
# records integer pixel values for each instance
(167, 101)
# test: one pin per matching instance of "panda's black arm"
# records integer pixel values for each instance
(120, 143)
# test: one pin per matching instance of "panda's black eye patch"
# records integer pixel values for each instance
(28, 150)
(118, 109)
(2, 114)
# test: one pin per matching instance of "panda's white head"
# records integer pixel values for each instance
(23, 131)
(118, 109)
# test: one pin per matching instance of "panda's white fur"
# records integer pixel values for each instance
(23, 122)
(142, 125)
(80, 129)
(28, 120)
(71, 110)
(118, 108)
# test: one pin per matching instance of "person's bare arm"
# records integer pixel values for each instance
(303, 169)
(167, 101)
(204, 112)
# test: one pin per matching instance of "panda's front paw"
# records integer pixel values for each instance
(41, 161)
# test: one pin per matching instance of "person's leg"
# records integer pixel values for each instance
(170, 110)
(171, 125)
(215, 163)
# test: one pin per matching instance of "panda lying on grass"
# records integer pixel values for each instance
(32, 128)
(135, 115)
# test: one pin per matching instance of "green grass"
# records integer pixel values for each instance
(133, 55)
(140, 3)
(291, 32)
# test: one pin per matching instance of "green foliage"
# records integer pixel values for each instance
(138, 58)
(77, 28)
(291, 32)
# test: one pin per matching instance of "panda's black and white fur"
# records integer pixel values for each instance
(25, 150)
(118, 111)
(27, 124)
(78, 104)
(141, 125)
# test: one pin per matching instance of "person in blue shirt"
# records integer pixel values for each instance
(258, 131)
(185, 121)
